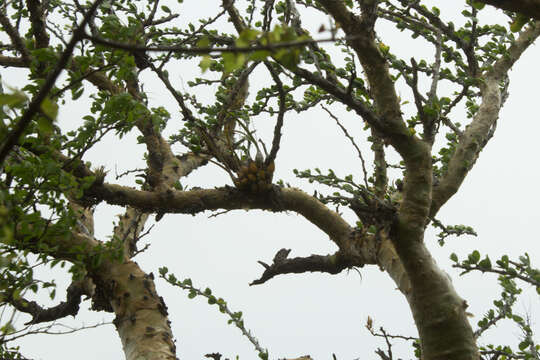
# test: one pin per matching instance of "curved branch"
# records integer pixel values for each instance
(227, 198)
(476, 136)
(69, 307)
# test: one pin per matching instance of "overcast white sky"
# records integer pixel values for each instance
(317, 314)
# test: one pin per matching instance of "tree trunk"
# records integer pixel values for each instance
(141, 315)
(438, 311)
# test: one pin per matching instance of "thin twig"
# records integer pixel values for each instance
(282, 107)
(346, 133)
(436, 69)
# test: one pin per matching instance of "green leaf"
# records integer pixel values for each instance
(49, 108)
(247, 36)
(16, 294)
(454, 257)
(203, 42)
(478, 5)
(77, 93)
(44, 125)
(205, 63)
(259, 55)
(233, 61)
(485, 263)
(519, 21)
(523, 345)
(474, 257)
(289, 58)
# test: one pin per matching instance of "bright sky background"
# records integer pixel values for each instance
(315, 314)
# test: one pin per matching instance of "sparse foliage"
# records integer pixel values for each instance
(95, 55)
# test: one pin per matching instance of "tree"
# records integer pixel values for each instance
(49, 190)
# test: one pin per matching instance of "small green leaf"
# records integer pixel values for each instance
(260, 55)
(474, 257)
(485, 264)
(523, 345)
(49, 108)
(205, 63)
(478, 5)
(44, 125)
(203, 42)
(16, 294)
(519, 21)
(289, 58)
(233, 61)
(247, 36)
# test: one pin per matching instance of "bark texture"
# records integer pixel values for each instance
(141, 314)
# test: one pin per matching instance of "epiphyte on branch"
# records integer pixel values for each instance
(255, 177)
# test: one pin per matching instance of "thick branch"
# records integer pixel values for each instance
(477, 133)
(195, 201)
(527, 7)
(10, 61)
(14, 36)
(391, 125)
(331, 264)
(38, 21)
